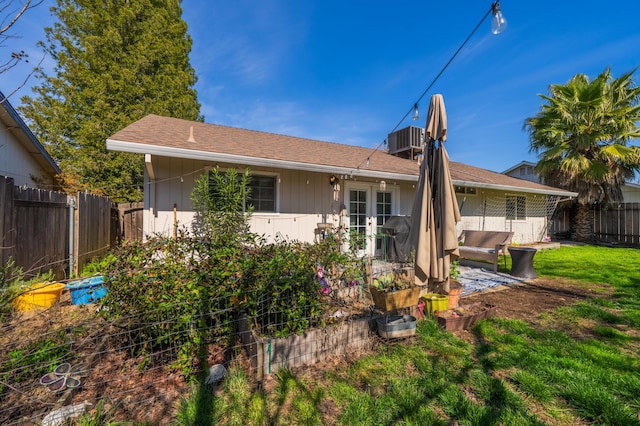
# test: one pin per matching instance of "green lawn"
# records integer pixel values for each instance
(516, 373)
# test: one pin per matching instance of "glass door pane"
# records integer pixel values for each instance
(383, 209)
(358, 219)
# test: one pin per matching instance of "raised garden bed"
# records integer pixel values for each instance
(464, 316)
(269, 354)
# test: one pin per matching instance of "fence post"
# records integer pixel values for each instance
(72, 220)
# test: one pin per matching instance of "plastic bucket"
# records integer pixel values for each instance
(88, 290)
(39, 296)
(435, 302)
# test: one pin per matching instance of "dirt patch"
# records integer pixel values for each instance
(527, 300)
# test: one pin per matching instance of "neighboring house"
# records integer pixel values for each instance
(22, 156)
(526, 170)
(292, 190)
(631, 192)
(523, 170)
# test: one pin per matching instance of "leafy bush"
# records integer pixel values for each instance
(166, 294)
(282, 289)
(97, 265)
(187, 292)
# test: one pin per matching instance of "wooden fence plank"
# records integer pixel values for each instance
(7, 230)
(615, 224)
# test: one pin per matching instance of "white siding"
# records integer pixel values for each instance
(15, 162)
(631, 193)
(486, 211)
(304, 198)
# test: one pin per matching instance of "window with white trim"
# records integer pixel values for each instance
(516, 207)
(263, 193)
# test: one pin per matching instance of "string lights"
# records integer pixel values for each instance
(498, 25)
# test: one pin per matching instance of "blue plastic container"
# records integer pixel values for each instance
(87, 290)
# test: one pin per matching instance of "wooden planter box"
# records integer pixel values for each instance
(474, 313)
(395, 300)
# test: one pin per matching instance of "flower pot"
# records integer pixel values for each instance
(388, 301)
(435, 302)
(455, 290)
(40, 296)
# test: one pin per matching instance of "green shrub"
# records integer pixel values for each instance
(281, 289)
(188, 292)
(98, 266)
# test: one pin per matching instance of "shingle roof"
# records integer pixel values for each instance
(155, 130)
(185, 136)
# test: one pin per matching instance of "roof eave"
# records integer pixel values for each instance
(116, 145)
(544, 191)
(140, 148)
(41, 153)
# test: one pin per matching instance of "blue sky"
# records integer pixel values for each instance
(348, 71)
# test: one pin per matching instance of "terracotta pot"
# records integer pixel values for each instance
(455, 290)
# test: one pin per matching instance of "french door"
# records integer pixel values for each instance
(368, 207)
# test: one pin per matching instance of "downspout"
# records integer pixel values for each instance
(72, 206)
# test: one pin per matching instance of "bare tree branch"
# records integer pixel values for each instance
(24, 82)
(13, 16)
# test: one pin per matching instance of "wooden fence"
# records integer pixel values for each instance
(35, 228)
(617, 224)
(96, 221)
(130, 221)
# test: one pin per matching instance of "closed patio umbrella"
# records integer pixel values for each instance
(435, 208)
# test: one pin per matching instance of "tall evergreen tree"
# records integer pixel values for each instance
(116, 61)
(584, 135)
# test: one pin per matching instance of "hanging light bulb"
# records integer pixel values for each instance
(498, 23)
(416, 115)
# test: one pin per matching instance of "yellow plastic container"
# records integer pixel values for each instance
(39, 296)
(435, 302)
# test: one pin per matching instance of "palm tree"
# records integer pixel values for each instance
(583, 136)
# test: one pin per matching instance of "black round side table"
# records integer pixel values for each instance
(522, 262)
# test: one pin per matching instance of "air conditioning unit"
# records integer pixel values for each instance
(407, 142)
